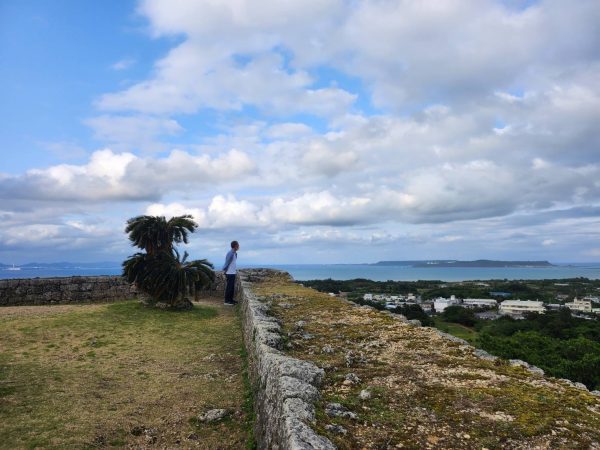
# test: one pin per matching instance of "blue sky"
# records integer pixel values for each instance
(56, 57)
(316, 131)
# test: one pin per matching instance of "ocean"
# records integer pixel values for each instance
(377, 273)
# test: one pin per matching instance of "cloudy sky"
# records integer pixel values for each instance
(311, 131)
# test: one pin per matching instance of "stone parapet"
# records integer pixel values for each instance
(216, 288)
(65, 290)
(286, 388)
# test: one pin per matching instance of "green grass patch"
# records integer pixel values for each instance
(85, 377)
(456, 329)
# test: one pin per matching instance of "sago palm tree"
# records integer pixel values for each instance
(167, 277)
(155, 234)
(160, 272)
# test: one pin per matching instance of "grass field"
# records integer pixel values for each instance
(456, 329)
(119, 375)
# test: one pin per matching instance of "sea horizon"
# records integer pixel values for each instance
(347, 271)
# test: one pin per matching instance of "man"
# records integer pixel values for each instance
(230, 269)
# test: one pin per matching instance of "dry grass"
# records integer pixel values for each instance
(427, 392)
(120, 375)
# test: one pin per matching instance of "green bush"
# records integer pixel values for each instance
(458, 314)
(414, 312)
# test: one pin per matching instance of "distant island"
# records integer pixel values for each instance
(456, 263)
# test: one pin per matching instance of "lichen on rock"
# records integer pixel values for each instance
(427, 390)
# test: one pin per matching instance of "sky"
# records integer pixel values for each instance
(314, 131)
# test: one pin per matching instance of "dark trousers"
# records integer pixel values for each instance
(229, 287)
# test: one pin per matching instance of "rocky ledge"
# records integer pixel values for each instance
(330, 373)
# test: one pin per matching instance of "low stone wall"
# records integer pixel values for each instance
(216, 289)
(286, 388)
(93, 289)
(45, 291)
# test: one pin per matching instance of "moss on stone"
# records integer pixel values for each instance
(426, 391)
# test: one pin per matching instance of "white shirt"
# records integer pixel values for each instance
(232, 269)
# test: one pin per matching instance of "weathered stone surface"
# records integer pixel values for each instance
(364, 395)
(327, 349)
(484, 355)
(337, 410)
(575, 384)
(529, 367)
(302, 437)
(352, 378)
(47, 291)
(286, 388)
(295, 407)
(294, 388)
(336, 429)
(354, 359)
(213, 415)
(452, 338)
(477, 402)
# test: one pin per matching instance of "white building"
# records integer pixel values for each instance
(480, 303)
(518, 307)
(441, 303)
(368, 297)
(580, 305)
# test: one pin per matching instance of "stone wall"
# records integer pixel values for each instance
(216, 289)
(285, 388)
(44, 291)
(94, 289)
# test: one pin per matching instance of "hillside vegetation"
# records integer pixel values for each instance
(562, 345)
(546, 290)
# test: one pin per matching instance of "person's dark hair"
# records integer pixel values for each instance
(234, 244)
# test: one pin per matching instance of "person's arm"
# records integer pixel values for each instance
(228, 260)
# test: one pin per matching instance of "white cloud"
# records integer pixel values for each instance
(126, 177)
(193, 76)
(319, 158)
(317, 208)
(176, 209)
(289, 130)
(437, 125)
(222, 212)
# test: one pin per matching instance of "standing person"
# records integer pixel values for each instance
(230, 269)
